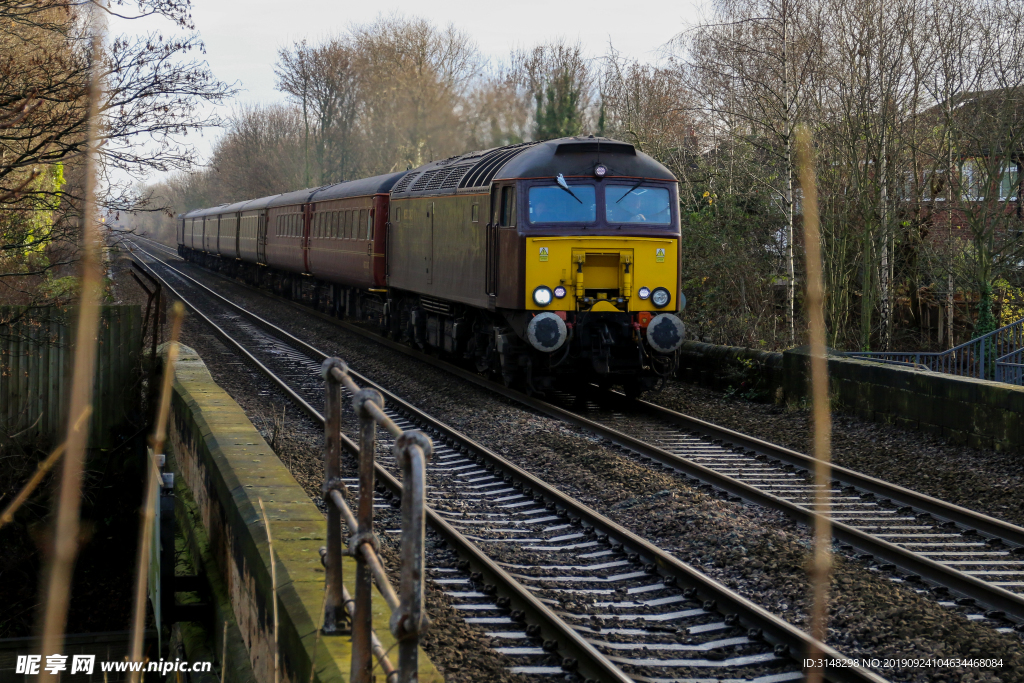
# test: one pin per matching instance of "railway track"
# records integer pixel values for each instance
(558, 587)
(963, 558)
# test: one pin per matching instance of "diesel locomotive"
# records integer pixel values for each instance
(542, 261)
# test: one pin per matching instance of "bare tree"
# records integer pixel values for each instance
(753, 65)
(324, 80)
(415, 77)
(150, 101)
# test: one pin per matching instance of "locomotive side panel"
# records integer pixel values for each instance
(410, 246)
(436, 249)
(459, 248)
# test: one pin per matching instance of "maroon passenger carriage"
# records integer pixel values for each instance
(333, 236)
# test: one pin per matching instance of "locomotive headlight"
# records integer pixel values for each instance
(559, 292)
(660, 297)
(542, 296)
(600, 170)
(643, 293)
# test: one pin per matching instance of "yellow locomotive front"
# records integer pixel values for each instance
(601, 268)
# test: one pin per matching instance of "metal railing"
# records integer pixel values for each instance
(342, 612)
(998, 356)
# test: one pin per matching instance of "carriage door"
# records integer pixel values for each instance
(307, 228)
(491, 277)
(429, 258)
(261, 237)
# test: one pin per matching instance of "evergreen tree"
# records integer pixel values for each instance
(558, 108)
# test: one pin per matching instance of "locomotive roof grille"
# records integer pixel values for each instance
(457, 173)
(405, 182)
(421, 182)
(484, 170)
(596, 148)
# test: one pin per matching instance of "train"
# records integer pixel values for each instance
(544, 262)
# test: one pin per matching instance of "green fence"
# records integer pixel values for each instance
(36, 351)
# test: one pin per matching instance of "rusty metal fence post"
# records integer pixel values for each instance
(411, 452)
(412, 448)
(335, 620)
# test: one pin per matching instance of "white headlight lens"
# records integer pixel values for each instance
(559, 292)
(542, 296)
(660, 297)
(643, 293)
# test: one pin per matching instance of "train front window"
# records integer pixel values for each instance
(635, 204)
(553, 204)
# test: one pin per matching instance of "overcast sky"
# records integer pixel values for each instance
(243, 36)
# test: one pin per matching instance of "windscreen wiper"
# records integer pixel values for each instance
(630, 190)
(565, 186)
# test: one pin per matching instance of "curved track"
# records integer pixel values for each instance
(558, 586)
(964, 558)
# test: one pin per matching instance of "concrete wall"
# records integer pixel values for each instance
(228, 467)
(967, 411)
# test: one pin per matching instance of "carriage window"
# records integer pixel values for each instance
(364, 219)
(475, 213)
(631, 204)
(552, 204)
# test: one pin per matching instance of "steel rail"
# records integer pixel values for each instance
(984, 593)
(590, 662)
(761, 623)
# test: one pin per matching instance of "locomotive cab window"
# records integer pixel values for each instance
(508, 207)
(554, 204)
(634, 204)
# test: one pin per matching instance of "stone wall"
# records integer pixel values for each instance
(967, 411)
(228, 468)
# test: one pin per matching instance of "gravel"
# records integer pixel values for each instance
(983, 480)
(755, 551)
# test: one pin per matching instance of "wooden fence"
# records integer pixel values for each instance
(35, 362)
